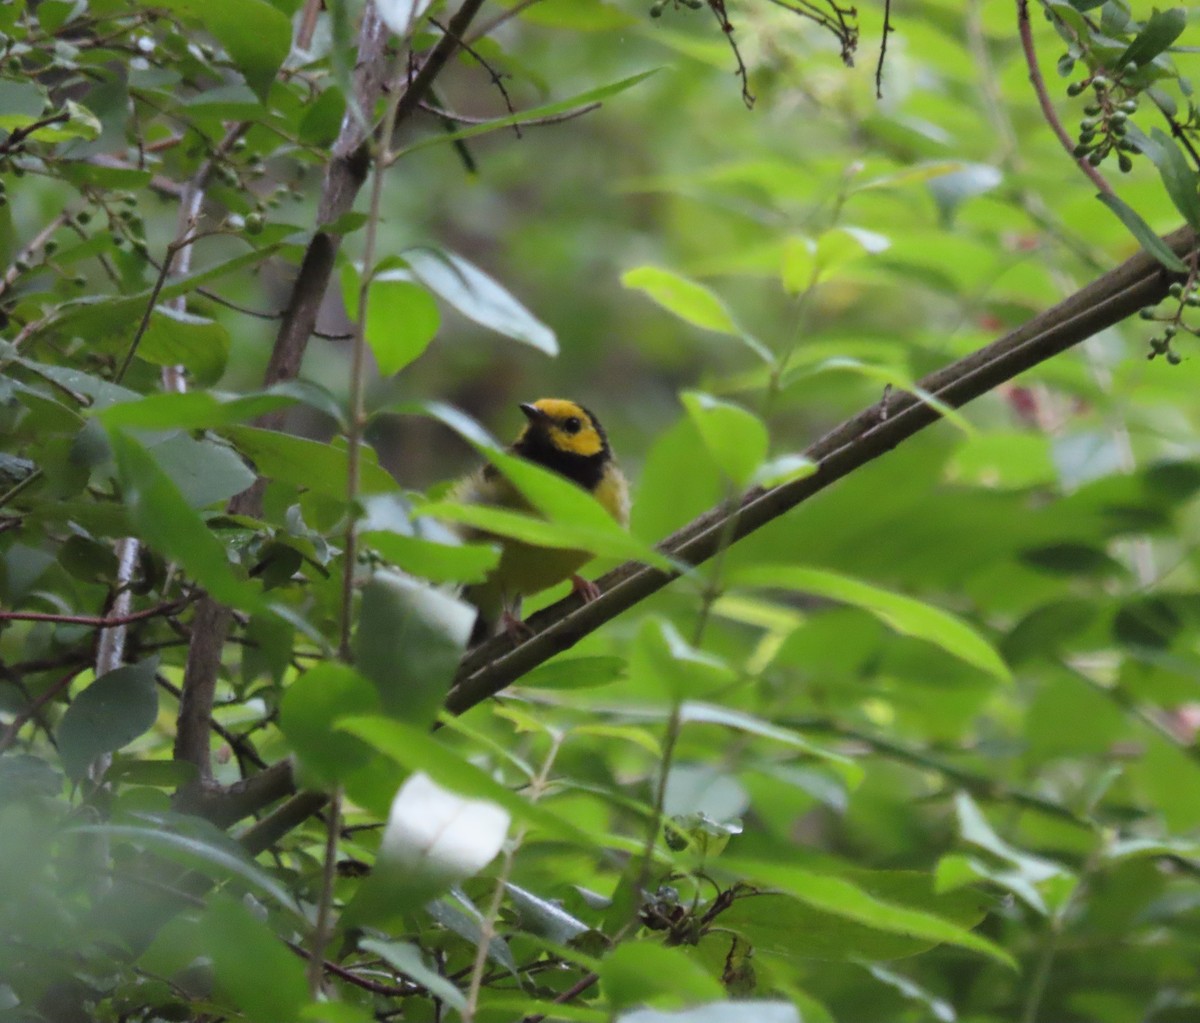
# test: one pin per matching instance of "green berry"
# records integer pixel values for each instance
(1100, 83)
(1170, 330)
(1147, 313)
(1075, 88)
(1174, 358)
(1096, 157)
(1124, 162)
(1175, 290)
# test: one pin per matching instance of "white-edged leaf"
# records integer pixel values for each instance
(436, 836)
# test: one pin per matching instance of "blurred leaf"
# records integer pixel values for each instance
(402, 17)
(476, 295)
(540, 916)
(1143, 232)
(1179, 178)
(646, 972)
(429, 559)
(402, 317)
(194, 410)
(903, 614)
(841, 898)
(433, 838)
(108, 715)
(575, 673)
(1161, 29)
(736, 439)
(691, 302)
(261, 975)
(415, 749)
(177, 338)
(536, 113)
(218, 856)
(313, 700)
(717, 1012)
(168, 524)
(408, 960)
(408, 642)
(307, 463)
(256, 34)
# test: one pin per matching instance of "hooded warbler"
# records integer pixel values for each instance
(566, 438)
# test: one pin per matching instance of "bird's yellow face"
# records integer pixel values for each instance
(567, 426)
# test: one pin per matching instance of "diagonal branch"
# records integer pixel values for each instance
(1110, 298)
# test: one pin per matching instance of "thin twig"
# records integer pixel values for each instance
(19, 721)
(887, 30)
(95, 621)
(35, 245)
(536, 122)
(496, 77)
(1039, 88)
(18, 135)
(323, 929)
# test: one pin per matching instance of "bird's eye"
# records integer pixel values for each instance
(572, 424)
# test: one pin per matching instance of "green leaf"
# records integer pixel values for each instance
(736, 439)
(108, 715)
(310, 703)
(256, 35)
(408, 960)
(263, 978)
(1179, 179)
(177, 338)
(1142, 231)
(536, 113)
(308, 464)
(716, 1012)
(193, 410)
(409, 640)
(648, 972)
(698, 713)
(841, 898)
(168, 524)
(903, 614)
(429, 559)
(1162, 28)
(209, 851)
(402, 319)
(575, 673)
(416, 749)
(205, 472)
(477, 296)
(691, 302)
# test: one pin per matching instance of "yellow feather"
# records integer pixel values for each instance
(563, 436)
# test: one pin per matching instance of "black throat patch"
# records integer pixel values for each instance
(586, 470)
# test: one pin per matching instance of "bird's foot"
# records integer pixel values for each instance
(587, 590)
(516, 630)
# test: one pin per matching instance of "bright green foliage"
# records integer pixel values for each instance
(923, 747)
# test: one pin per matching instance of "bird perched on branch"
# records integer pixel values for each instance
(566, 438)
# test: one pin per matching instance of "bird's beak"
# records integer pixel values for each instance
(533, 413)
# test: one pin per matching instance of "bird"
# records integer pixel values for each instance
(566, 438)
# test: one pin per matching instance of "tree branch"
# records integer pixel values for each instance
(1110, 298)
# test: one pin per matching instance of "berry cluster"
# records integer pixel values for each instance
(1184, 295)
(1105, 122)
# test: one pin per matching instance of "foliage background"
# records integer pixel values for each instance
(980, 805)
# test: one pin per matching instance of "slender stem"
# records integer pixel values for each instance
(94, 621)
(358, 384)
(18, 722)
(322, 928)
(487, 931)
(1039, 87)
